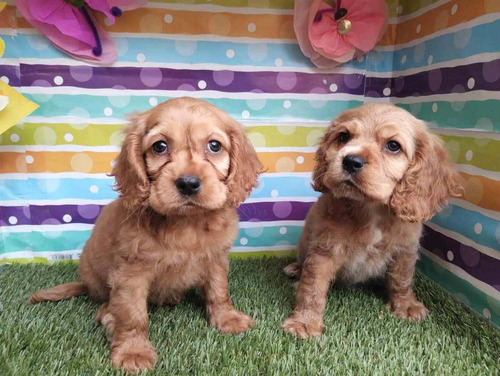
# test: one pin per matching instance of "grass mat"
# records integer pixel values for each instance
(361, 338)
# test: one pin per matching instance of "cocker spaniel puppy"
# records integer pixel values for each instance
(183, 169)
(381, 173)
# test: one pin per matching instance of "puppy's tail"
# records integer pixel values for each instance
(59, 292)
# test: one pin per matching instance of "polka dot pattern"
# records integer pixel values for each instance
(477, 264)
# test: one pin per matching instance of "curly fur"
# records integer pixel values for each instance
(368, 224)
(153, 243)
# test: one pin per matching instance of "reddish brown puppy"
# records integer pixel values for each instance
(381, 174)
(183, 169)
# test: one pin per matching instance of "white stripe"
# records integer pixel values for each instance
(285, 174)
(77, 201)
(265, 248)
(190, 37)
(466, 241)
(286, 149)
(68, 201)
(59, 148)
(476, 95)
(295, 123)
(185, 66)
(479, 58)
(52, 175)
(48, 255)
(473, 170)
(280, 199)
(48, 228)
(116, 149)
(206, 38)
(417, 13)
(7, 31)
(218, 9)
(82, 175)
(459, 272)
(271, 224)
(75, 120)
(487, 18)
(461, 97)
(469, 206)
(70, 90)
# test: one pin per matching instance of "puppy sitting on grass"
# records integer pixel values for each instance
(381, 173)
(183, 169)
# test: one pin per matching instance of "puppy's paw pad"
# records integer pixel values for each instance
(135, 359)
(292, 270)
(234, 322)
(303, 329)
(413, 310)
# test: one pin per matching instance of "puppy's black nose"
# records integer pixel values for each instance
(353, 163)
(188, 185)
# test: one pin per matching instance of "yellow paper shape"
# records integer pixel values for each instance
(18, 107)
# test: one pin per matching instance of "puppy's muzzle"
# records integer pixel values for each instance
(353, 163)
(188, 185)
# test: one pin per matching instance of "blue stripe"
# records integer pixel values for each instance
(463, 221)
(57, 241)
(93, 106)
(178, 51)
(68, 188)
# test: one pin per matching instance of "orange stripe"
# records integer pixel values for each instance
(151, 20)
(100, 162)
(438, 19)
(482, 191)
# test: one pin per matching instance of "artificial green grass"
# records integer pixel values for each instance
(361, 338)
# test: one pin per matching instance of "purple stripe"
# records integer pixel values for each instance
(12, 73)
(182, 79)
(479, 265)
(478, 76)
(52, 214)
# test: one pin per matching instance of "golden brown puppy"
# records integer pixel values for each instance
(381, 174)
(183, 169)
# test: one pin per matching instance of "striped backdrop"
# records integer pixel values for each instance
(439, 60)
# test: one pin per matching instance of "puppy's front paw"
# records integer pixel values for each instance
(411, 310)
(303, 328)
(232, 321)
(134, 355)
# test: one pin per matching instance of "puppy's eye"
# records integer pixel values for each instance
(344, 137)
(393, 146)
(160, 147)
(214, 147)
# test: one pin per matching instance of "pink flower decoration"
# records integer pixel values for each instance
(331, 35)
(71, 26)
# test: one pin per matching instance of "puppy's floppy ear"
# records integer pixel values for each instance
(244, 168)
(321, 163)
(428, 183)
(130, 168)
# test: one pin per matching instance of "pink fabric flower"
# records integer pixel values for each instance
(70, 25)
(331, 35)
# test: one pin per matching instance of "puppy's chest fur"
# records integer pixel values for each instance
(371, 249)
(183, 252)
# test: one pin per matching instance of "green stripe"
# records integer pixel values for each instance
(481, 115)
(111, 134)
(479, 152)
(460, 288)
(410, 6)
